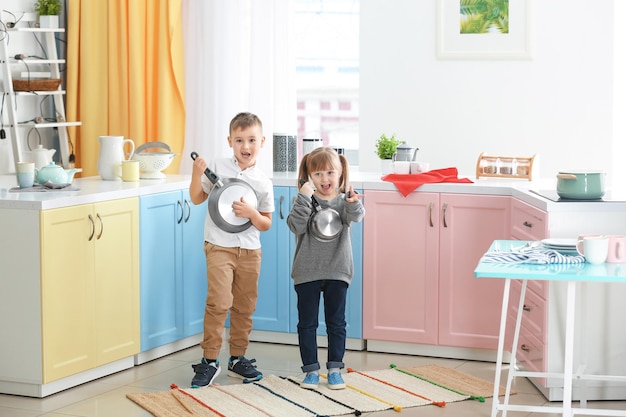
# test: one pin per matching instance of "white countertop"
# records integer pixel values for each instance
(93, 189)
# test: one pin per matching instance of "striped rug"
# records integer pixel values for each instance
(366, 392)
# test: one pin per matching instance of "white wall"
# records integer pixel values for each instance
(559, 104)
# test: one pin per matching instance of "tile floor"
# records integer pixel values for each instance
(106, 397)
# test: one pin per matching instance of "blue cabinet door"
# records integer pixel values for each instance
(272, 310)
(161, 293)
(193, 265)
(354, 299)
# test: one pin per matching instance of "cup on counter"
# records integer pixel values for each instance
(25, 174)
(617, 249)
(595, 248)
(401, 167)
(129, 170)
(419, 167)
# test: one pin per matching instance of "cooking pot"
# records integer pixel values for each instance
(221, 198)
(580, 185)
(325, 223)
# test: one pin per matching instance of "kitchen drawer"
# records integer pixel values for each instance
(531, 353)
(528, 222)
(535, 309)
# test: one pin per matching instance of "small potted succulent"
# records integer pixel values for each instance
(49, 11)
(385, 148)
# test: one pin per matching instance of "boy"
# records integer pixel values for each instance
(233, 259)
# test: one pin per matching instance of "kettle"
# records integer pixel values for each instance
(40, 156)
(405, 152)
(111, 155)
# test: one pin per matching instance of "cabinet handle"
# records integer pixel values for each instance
(529, 225)
(445, 207)
(101, 226)
(93, 228)
(430, 214)
(525, 348)
(188, 210)
(280, 206)
(182, 212)
(526, 308)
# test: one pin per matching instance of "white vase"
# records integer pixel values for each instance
(49, 22)
(386, 166)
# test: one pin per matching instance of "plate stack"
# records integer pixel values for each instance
(565, 246)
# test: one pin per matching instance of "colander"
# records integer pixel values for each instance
(152, 162)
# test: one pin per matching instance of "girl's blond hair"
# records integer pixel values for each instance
(324, 159)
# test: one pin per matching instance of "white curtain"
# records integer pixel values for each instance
(238, 57)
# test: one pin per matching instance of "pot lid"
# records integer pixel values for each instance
(404, 145)
(582, 171)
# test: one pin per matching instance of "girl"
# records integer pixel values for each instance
(323, 266)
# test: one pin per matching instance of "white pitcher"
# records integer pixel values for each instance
(111, 155)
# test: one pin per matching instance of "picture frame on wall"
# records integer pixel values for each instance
(471, 29)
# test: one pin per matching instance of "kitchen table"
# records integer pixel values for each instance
(573, 275)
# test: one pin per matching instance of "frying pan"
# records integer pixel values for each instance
(325, 223)
(221, 198)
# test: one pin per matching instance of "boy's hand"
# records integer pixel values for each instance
(199, 165)
(242, 209)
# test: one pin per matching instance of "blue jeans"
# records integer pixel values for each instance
(335, 316)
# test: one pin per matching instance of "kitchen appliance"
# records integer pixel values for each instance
(111, 155)
(221, 199)
(405, 152)
(151, 163)
(609, 196)
(580, 185)
(309, 144)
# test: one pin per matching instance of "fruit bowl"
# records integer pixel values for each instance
(153, 158)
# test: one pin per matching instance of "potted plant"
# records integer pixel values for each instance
(385, 148)
(48, 11)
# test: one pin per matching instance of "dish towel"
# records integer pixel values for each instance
(407, 183)
(45, 187)
(532, 256)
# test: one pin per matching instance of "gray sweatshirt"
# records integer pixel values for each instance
(316, 260)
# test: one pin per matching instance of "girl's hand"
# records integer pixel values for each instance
(353, 196)
(306, 189)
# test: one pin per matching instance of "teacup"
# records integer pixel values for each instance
(401, 167)
(595, 249)
(25, 174)
(617, 249)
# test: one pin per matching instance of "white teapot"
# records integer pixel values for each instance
(40, 156)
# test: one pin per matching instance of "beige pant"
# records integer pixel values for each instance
(233, 276)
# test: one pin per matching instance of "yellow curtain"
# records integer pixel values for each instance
(125, 75)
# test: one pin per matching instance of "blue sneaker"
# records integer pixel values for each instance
(206, 372)
(335, 381)
(310, 381)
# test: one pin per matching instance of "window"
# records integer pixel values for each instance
(327, 73)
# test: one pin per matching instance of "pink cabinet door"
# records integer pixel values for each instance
(469, 309)
(400, 267)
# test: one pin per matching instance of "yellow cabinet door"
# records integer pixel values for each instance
(90, 286)
(67, 291)
(117, 279)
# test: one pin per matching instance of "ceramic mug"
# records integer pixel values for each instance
(617, 249)
(419, 167)
(595, 249)
(401, 167)
(25, 174)
(129, 170)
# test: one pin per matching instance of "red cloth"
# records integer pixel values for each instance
(407, 183)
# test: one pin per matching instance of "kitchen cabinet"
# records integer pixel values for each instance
(173, 271)
(419, 255)
(89, 286)
(277, 304)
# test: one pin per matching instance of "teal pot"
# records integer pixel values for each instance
(580, 185)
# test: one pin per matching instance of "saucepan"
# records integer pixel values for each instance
(580, 185)
(221, 198)
(325, 223)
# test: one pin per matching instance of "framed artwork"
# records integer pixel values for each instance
(483, 29)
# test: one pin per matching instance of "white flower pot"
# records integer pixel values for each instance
(49, 22)
(386, 166)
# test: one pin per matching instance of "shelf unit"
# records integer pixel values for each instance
(7, 63)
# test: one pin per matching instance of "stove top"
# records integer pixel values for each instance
(553, 196)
